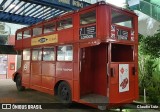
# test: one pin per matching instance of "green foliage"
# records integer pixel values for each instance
(149, 66)
(150, 45)
(154, 88)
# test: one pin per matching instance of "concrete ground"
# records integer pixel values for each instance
(9, 94)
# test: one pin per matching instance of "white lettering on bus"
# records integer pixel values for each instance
(64, 69)
(87, 36)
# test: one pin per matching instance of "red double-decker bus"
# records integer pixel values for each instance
(87, 56)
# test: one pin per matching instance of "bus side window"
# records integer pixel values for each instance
(37, 54)
(88, 18)
(64, 24)
(27, 34)
(48, 54)
(37, 31)
(26, 54)
(69, 53)
(19, 36)
(65, 53)
(49, 27)
(125, 20)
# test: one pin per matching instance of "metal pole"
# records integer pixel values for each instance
(144, 95)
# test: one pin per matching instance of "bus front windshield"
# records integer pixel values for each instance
(122, 19)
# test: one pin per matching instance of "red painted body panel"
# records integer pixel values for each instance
(36, 75)
(27, 43)
(64, 70)
(18, 44)
(26, 73)
(48, 82)
(48, 69)
(115, 95)
(65, 35)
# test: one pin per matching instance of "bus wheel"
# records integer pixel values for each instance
(19, 83)
(64, 93)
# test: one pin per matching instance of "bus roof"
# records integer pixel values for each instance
(85, 8)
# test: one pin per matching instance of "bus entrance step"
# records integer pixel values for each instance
(95, 99)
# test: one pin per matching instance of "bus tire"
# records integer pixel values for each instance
(64, 93)
(19, 83)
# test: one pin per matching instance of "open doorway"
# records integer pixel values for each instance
(93, 74)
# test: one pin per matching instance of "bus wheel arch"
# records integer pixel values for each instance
(63, 90)
(18, 81)
(56, 87)
(15, 77)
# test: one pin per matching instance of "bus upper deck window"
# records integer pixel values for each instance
(121, 19)
(27, 34)
(26, 54)
(19, 36)
(88, 18)
(37, 31)
(64, 24)
(36, 54)
(49, 27)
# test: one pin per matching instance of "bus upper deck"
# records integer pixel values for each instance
(98, 22)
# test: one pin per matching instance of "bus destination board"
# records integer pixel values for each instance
(87, 32)
(122, 34)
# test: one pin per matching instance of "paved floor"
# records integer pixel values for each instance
(9, 94)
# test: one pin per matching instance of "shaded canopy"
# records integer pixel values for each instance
(8, 49)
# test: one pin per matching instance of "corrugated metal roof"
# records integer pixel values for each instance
(28, 12)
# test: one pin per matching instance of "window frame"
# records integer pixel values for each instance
(65, 53)
(41, 25)
(64, 18)
(38, 54)
(124, 13)
(119, 44)
(29, 55)
(30, 33)
(54, 50)
(17, 35)
(89, 24)
(54, 28)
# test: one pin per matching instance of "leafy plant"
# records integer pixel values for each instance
(149, 66)
(150, 45)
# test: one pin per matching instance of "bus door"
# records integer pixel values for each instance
(122, 73)
(93, 78)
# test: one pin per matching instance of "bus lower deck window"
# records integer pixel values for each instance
(65, 53)
(48, 54)
(26, 54)
(122, 53)
(36, 54)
